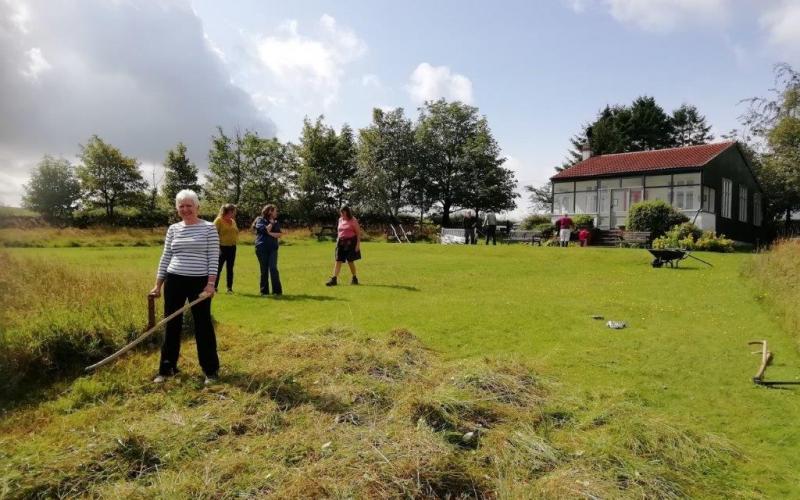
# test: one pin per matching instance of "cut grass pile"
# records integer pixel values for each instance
(336, 414)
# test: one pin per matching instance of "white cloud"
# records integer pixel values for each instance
(578, 6)
(370, 80)
(36, 64)
(661, 16)
(299, 66)
(782, 24)
(142, 75)
(429, 82)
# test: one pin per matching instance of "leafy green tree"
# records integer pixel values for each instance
(491, 186)
(326, 168)
(649, 126)
(108, 178)
(53, 189)
(690, 127)
(343, 167)
(540, 197)
(443, 132)
(225, 179)
(269, 168)
(180, 173)
(775, 121)
(461, 159)
(387, 163)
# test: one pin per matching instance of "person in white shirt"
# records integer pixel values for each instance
(490, 223)
(188, 267)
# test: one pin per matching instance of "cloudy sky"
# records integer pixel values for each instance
(146, 74)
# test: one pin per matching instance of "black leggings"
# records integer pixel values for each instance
(227, 256)
(177, 290)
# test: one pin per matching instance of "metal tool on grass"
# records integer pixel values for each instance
(151, 329)
(766, 359)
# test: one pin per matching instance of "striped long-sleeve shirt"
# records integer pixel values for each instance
(191, 250)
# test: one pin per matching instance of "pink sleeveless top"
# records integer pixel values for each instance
(347, 228)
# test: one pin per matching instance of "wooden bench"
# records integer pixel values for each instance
(618, 237)
(637, 238)
(327, 232)
(525, 236)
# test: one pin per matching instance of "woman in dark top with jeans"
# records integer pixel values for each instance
(268, 234)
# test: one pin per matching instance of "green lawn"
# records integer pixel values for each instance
(684, 353)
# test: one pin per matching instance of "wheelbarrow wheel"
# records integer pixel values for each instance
(657, 263)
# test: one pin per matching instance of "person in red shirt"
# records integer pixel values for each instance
(583, 237)
(348, 245)
(564, 226)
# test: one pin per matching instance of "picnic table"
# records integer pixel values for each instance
(327, 232)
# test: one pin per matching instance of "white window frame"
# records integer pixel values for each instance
(743, 203)
(709, 195)
(727, 194)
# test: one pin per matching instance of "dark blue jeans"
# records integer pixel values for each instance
(268, 261)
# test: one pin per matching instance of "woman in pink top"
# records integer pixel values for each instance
(348, 245)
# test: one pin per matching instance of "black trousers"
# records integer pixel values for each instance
(469, 236)
(227, 256)
(177, 290)
(491, 232)
(268, 262)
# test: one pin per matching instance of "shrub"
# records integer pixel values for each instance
(688, 236)
(123, 218)
(533, 221)
(583, 220)
(546, 229)
(656, 216)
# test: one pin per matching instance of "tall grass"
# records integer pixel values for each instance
(777, 273)
(337, 414)
(51, 237)
(55, 317)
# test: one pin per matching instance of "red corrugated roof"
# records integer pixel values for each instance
(645, 161)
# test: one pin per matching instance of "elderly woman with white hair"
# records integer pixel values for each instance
(188, 267)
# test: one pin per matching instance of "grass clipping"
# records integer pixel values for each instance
(334, 414)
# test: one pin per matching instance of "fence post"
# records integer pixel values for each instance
(151, 311)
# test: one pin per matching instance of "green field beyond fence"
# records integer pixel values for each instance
(504, 345)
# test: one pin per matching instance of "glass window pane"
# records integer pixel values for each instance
(631, 181)
(562, 203)
(656, 180)
(609, 183)
(657, 194)
(586, 203)
(586, 186)
(562, 187)
(686, 179)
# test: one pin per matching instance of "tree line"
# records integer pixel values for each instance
(446, 160)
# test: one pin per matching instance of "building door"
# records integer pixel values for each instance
(619, 207)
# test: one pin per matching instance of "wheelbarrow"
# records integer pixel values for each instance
(672, 256)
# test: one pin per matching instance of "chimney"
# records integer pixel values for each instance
(586, 152)
(586, 149)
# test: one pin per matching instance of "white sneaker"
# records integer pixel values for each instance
(210, 381)
(160, 379)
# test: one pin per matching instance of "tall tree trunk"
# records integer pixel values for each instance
(445, 214)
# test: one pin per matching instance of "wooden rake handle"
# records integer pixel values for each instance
(146, 334)
(766, 357)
